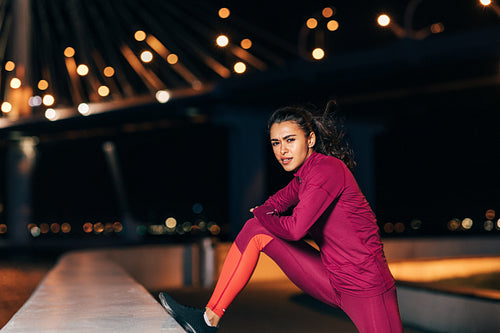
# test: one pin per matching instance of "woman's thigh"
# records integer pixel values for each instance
(298, 260)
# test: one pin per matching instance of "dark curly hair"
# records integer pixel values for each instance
(327, 125)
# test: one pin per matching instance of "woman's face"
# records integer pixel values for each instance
(290, 144)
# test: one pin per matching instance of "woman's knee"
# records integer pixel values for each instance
(251, 228)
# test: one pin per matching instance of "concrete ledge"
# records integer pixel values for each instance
(447, 312)
(89, 292)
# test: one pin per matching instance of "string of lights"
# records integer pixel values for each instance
(67, 58)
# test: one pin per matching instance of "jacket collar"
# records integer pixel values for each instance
(301, 172)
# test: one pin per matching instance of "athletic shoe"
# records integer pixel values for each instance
(191, 319)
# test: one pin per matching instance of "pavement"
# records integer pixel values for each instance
(274, 306)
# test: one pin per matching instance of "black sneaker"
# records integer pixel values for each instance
(191, 319)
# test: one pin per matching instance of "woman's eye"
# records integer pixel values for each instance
(274, 143)
(290, 140)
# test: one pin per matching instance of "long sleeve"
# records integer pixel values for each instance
(319, 191)
(286, 197)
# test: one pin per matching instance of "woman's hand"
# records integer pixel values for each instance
(251, 209)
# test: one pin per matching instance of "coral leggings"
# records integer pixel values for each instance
(302, 264)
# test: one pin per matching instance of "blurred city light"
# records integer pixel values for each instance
(43, 84)
(222, 40)
(109, 71)
(312, 23)
(6, 107)
(69, 52)
(48, 100)
(224, 13)
(139, 35)
(318, 53)
(246, 43)
(15, 83)
(82, 70)
(240, 67)
(84, 109)
(10, 66)
(162, 96)
(51, 114)
(146, 56)
(383, 20)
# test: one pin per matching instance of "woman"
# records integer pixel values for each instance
(349, 271)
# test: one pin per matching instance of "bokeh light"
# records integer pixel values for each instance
(15, 83)
(162, 96)
(103, 91)
(82, 70)
(222, 40)
(6, 107)
(43, 84)
(51, 114)
(10, 66)
(312, 23)
(327, 12)
(139, 35)
(485, 2)
(318, 53)
(224, 13)
(84, 109)
(467, 223)
(172, 58)
(246, 43)
(109, 71)
(69, 52)
(332, 25)
(146, 56)
(48, 100)
(383, 20)
(240, 67)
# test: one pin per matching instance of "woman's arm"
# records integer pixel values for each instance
(285, 198)
(321, 189)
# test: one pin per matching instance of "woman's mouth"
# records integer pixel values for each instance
(286, 160)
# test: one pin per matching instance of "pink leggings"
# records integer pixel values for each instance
(303, 266)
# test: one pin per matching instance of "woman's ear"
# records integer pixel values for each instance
(311, 141)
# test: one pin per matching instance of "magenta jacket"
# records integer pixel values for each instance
(329, 206)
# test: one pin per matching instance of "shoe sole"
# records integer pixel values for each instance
(185, 325)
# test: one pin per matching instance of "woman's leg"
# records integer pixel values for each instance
(298, 260)
(378, 314)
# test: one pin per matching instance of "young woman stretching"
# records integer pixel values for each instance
(349, 271)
